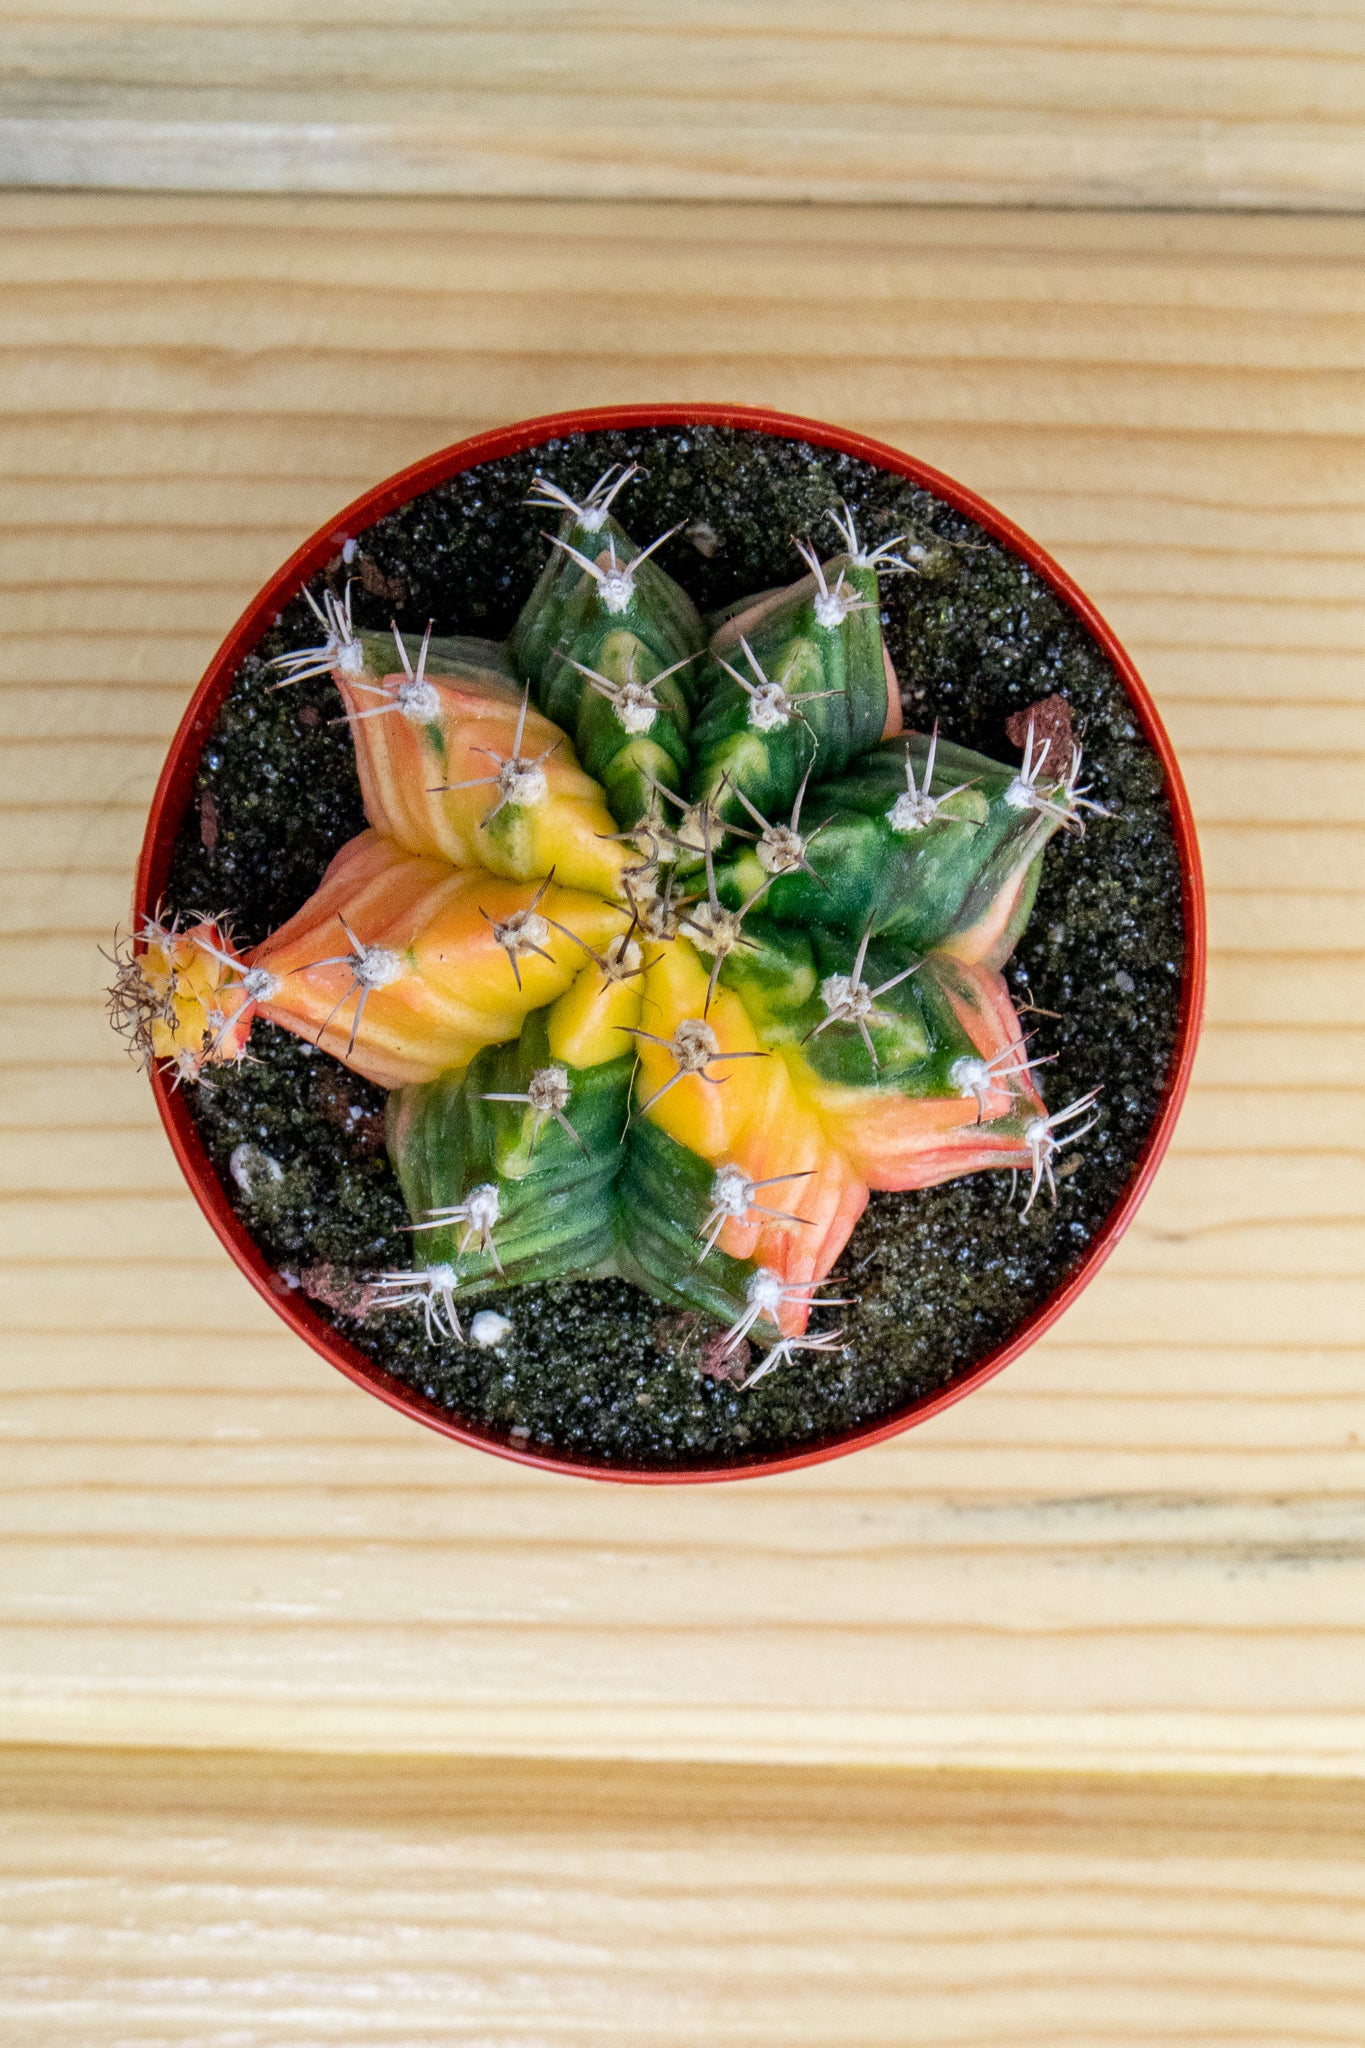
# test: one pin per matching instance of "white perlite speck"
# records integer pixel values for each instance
(253, 1169)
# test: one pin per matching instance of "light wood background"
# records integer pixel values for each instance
(170, 1899)
(1045, 1724)
(1045, 102)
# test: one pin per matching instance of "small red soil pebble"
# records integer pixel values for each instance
(333, 1099)
(374, 580)
(692, 1341)
(339, 572)
(337, 1289)
(1051, 721)
(208, 820)
(720, 1363)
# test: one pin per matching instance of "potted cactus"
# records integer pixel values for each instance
(599, 1038)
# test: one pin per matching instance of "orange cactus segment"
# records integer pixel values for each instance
(981, 1003)
(403, 1031)
(686, 1083)
(405, 968)
(467, 772)
(785, 1154)
(836, 1198)
(906, 1141)
(508, 947)
(899, 1141)
(399, 757)
(895, 715)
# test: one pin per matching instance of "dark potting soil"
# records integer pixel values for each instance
(596, 1368)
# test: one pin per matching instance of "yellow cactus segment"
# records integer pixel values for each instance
(182, 999)
(573, 835)
(404, 967)
(186, 981)
(704, 1109)
(483, 781)
(504, 948)
(593, 1019)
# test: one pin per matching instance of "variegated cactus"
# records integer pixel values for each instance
(667, 942)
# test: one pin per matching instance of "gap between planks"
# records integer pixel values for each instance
(1268, 1815)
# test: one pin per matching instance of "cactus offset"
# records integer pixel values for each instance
(668, 947)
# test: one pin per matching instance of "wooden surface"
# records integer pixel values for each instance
(1142, 1544)
(1139, 1551)
(1069, 102)
(152, 1899)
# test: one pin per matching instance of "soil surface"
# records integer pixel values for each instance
(596, 1369)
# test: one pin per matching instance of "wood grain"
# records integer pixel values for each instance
(264, 1901)
(1159, 103)
(1142, 1547)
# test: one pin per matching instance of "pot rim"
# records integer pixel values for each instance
(175, 787)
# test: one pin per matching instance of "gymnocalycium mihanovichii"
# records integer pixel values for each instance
(668, 943)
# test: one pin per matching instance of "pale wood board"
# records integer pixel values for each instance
(1141, 1548)
(1155, 103)
(149, 1899)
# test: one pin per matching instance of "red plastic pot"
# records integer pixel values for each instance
(175, 788)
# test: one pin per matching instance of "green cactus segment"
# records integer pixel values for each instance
(555, 1207)
(776, 976)
(629, 639)
(630, 746)
(923, 883)
(663, 1202)
(565, 611)
(901, 1036)
(543, 628)
(781, 978)
(830, 701)
(460, 657)
(915, 1029)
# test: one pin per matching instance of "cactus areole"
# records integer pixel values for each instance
(684, 969)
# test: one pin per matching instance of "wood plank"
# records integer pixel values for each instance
(387, 1901)
(1142, 1546)
(1068, 103)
